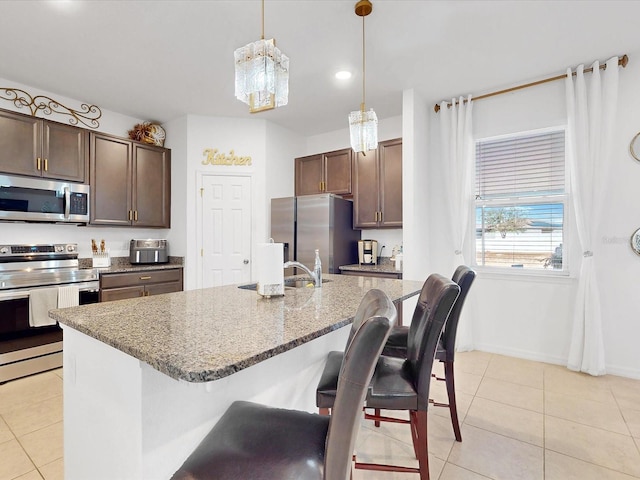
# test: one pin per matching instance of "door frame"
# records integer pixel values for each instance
(200, 175)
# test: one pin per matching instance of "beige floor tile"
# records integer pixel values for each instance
(33, 417)
(513, 422)
(53, 470)
(441, 437)
(512, 394)
(496, 456)
(608, 449)
(626, 392)
(44, 445)
(559, 379)
(587, 412)
(5, 432)
(474, 362)
(376, 447)
(29, 390)
(15, 461)
(438, 393)
(562, 467)
(516, 370)
(467, 383)
(632, 417)
(453, 472)
(32, 475)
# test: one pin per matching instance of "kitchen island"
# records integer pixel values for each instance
(146, 378)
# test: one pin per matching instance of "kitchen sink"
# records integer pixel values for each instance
(297, 282)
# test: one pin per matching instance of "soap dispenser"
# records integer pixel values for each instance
(317, 269)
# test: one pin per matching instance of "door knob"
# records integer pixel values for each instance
(246, 261)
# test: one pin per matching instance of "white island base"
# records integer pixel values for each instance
(125, 420)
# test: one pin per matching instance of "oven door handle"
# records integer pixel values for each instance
(24, 292)
(67, 202)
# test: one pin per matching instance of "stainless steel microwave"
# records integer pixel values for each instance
(41, 200)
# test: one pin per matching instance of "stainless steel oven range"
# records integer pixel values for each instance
(28, 272)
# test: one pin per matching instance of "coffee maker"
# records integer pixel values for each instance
(368, 252)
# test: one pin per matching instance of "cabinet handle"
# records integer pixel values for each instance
(146, 277)
(135, 215)
(38, 162)
(380, 216)
(130, 215)
(46, 164)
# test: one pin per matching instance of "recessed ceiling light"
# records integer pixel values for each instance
(343, 75)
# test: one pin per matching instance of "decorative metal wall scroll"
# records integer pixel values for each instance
(88, 115)
(213, 157)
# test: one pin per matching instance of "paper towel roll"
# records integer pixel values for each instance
(269, 268)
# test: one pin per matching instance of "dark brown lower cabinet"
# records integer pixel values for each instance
(119, 286)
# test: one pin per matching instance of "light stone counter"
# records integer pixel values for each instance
(208, 334)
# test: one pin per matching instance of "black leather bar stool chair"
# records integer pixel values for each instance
(397, 344)
(327, 387)
(403, 384)
(253, 442)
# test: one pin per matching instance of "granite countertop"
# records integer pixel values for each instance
(207, 334)
(122, 265)
(384, 267)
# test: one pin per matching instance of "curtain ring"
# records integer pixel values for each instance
(587, 254)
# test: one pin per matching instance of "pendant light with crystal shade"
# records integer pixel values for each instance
(262, 74)
(363, 125)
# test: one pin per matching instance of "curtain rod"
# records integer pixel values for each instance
(622, 61)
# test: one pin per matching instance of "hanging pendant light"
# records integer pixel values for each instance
(363, 125)
(262, 74)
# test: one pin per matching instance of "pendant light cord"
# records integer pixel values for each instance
(262, 37)
(363, 66)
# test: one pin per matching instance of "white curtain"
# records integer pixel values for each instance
(457, 154)
(591, 115)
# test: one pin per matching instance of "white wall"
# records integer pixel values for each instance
(271, 148)
(388, 129)
(117, 239)
(531, 317)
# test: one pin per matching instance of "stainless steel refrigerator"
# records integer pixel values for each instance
(311, 222)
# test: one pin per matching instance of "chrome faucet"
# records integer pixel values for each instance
(314, 277)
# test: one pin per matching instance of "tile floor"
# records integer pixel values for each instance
(520, 420)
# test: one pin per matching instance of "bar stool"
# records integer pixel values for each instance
(326, 391)
(253, 441)
(403, 384)
(445, 353)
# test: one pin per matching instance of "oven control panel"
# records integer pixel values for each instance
(42, 250)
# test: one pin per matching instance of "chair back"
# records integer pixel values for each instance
(372, 304)
(434, 304)
(358, 365)
(464, 277)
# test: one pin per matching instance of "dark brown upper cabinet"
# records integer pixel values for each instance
(40, 148)
(324, 173)
(377, 187)
(130, 183)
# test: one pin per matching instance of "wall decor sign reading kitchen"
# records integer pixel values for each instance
(214, 157)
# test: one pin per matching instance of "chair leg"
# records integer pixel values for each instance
(451, 392)
(377, 413)
(419, 424)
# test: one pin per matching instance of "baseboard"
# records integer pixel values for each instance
(555, 360)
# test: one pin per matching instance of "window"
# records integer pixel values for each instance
(520, 201)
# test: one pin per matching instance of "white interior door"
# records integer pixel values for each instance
(226, 230)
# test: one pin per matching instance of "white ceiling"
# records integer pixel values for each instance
(159, 60)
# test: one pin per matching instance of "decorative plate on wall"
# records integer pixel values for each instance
(634, 147)
(635, 241)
